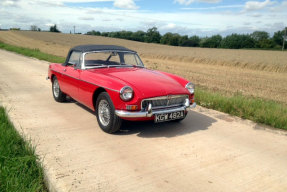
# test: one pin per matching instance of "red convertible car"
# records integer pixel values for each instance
(113, 82)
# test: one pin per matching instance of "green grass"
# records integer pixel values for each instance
(19, 167)
(256, 109)
(36, 53)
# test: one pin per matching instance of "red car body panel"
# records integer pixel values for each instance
(82, 84)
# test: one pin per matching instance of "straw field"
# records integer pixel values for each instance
(255, 73)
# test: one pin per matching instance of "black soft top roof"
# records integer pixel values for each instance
(88, 48)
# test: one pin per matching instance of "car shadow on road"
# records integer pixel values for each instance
(193, 122)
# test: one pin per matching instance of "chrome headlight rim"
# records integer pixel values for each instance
(122, 95)
(190, 87)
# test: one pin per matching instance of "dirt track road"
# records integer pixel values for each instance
(208, 151)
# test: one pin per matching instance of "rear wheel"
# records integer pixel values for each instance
(105, 112)
(59, 96)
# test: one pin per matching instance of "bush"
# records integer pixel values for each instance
(212, 42)
(54, 29)
(93, 32)
(236, 41)
(152, 35)
(170, 39)
(278, 38)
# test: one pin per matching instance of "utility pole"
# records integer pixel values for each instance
(74, 29)
(284, 39)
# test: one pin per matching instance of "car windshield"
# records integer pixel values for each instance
(112, 59)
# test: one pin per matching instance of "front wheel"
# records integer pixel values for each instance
(105, 112)
(57, 93)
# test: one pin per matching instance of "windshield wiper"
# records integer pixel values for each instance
(95, 67)
(109, 66)
(138, 66)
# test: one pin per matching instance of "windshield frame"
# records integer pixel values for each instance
(83, 66)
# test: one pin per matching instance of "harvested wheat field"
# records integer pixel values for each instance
(249, 72)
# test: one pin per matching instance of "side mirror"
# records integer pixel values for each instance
(75, 67)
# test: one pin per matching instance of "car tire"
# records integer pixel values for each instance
(105, 112)
(59, 96)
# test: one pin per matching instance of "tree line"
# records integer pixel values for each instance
(257, 39)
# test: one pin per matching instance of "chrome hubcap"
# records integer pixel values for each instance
(104, 112)
(56, 88)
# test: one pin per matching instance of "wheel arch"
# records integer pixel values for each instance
(52, 77)
(96, 93)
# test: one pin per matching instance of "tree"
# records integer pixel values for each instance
(152, 35)
(138, 36)
(278, 38)
(212, 42)
(170, 39)
(261, 39)
(33, 28)
(165, 39)
(182, 40)
(93, 32)
(105, 34)
(175, 38)
(266, 43)
(259, 35)
(114, 34)
(54, 29)
(125, 34)
(237, 41)
(191, 42)
(284, 39)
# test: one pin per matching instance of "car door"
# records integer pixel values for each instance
(71, 75)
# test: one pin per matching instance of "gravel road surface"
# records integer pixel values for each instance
(208, 151)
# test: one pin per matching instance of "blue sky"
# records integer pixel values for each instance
(190, 17)
(161, 5)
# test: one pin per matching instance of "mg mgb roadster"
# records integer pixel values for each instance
(113, 82)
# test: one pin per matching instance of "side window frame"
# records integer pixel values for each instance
(78, 62)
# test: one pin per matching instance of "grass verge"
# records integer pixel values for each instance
(36, 53)
(19, 169)
(255, 109)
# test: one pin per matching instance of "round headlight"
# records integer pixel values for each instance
(126, 93)
(190, 87)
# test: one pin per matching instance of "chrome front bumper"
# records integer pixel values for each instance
(150, 112)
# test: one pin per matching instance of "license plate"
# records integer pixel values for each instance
(168, 116)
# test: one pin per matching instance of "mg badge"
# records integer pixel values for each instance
(168, 100)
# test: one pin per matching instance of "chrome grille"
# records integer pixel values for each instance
(164, 101)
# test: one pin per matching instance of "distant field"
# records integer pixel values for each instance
(248, 72)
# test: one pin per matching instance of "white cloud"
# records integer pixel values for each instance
(9, 2)
(214, 7)
(280, 7)
(256, 15)
(80, 1)
(202, 23)
(169, 26)
(125, 4)
(49, 24)
(188, 2)
(257, 5)
(87, 18)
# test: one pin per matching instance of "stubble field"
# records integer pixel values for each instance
(248, 72)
